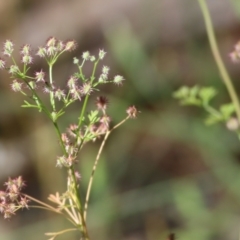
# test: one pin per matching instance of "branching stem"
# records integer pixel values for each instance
(221, 67)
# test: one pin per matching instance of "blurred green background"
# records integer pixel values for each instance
(163, 172)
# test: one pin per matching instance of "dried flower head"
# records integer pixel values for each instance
(75, 60)
(8, 48)
(27, 59)
(105, 70)
(16, 86)
(118, 80)
(39, 76)
(101, 54)
(76, 93)
(71, 83)
(60, 46)
(14, 70)
(51, 42)
(25, 50)
(70, 45)
(59, 94)
(11, 200)
(86, 56)
(101, 103)
(42, 52)
(2, 63)
(86, 89)
(132, 112)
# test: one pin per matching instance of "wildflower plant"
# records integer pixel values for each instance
(87, 128)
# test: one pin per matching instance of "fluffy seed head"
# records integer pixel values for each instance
(2, 63)
(27, 59)
(118, 80)
(39, 76)
(70, 45)
(101, 103)
(42, 52)
(51, 42)
(16, 86)
(25, 50)
(13, 69)
(101, 54)
(8, 48)
(86, 89)
(132, 111)
(86, 56)
(59, 94)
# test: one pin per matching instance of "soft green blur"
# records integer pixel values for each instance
(160, 173)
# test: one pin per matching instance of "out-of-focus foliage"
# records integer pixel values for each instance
(164, 172)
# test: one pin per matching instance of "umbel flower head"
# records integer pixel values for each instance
(11, 199)
(102, 103)
(132, 112)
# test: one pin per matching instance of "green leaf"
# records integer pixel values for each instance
(188, 96)
(93, 116)
(182, 92)
(227, 110)
(191, 101)
(212, 119)
(193, 92)
(28, 105)
(207, 93)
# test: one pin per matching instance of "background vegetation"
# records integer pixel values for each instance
(163, 172)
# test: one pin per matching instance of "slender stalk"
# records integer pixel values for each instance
(72, 220)
(221, 67)
(61, 232)
(83, 111)
(42, 203)
(95, 165)
(59, 137)
(92, 174)
(83, 227)
(52, 101)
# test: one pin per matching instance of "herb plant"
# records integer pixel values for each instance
(89, 126)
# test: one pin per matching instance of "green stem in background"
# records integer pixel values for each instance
(214, 47)
(212, 111)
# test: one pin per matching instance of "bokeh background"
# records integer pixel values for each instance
(164, 172)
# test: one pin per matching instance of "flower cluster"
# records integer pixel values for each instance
(11, 199)
(75, 137)
(90, 124)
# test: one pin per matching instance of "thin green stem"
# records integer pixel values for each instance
(59, 137)
(82, 111)
(221, 67)
(212, 111)
(52, 100)
(43, 107)
(86, 98)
